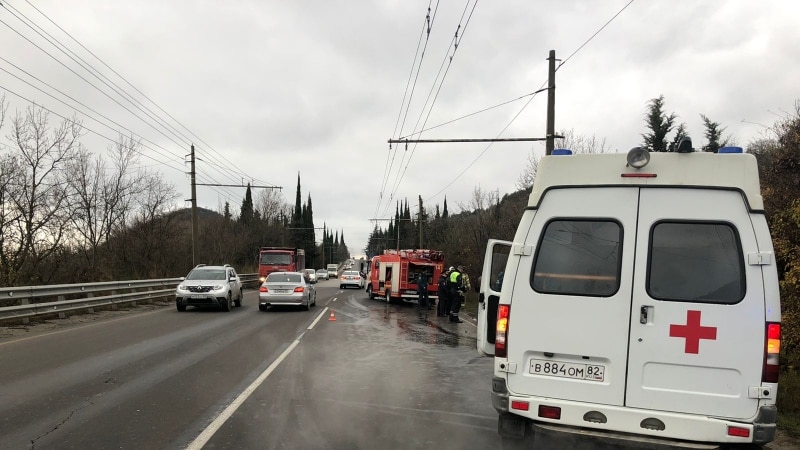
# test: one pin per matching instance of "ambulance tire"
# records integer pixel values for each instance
(515, 432)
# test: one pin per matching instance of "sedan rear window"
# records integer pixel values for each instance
(284, 278)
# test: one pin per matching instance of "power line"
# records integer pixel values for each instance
(594, 35)
(529, 101)
(78, 102)
(426, 30)
(227, 164)
(86, 128)
(456, 41)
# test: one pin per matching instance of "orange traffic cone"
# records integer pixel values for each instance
(332, 318)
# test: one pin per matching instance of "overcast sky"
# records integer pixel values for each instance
(272, 88)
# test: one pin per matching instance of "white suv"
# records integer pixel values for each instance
(205, 286)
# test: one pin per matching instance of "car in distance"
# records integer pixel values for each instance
(286, 288)
(351, 278)
(205, 286)
(322, 274)
(311, 275)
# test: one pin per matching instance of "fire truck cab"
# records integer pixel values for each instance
(393, 275)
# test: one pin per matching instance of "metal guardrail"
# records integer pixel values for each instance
(25, 302)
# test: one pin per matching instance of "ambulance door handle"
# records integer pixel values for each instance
(645, 314)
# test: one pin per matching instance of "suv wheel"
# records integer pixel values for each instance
(239, 300)
(181, 307)
(227, 305)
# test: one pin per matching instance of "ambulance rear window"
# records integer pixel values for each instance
(578, 257)
(696, 262)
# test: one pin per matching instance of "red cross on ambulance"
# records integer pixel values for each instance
(693, 332)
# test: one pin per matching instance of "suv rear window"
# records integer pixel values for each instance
(696, 262)
(578, 257)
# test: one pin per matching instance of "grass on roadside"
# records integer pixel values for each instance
(789, 401)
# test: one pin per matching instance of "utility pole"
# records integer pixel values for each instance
(195, 232)
(551, 104)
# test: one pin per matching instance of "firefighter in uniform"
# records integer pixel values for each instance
(443, 307)
(457, 290)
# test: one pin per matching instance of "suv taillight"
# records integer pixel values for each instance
(501, 338)
(773, 349)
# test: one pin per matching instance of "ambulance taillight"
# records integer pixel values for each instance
(500, 340)
(771, 367)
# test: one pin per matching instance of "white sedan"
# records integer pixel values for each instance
(351, 278)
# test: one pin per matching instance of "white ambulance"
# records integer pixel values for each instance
(639, 300)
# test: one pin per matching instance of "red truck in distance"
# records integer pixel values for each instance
(280, 259)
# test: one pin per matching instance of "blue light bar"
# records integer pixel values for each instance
(561, 151)
(730, 150)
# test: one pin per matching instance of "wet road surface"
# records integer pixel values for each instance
(378, 376)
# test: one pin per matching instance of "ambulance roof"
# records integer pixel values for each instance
(691, 170)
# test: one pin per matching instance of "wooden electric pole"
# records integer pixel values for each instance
(195, 232)
(551, 104)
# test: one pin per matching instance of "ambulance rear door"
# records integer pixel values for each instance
(698, 316)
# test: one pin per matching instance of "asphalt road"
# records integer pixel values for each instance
(376, 377)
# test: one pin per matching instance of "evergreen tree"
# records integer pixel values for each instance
(445, 215)
(659, 125)
(246, 215)
(713, 135)
(297, 219)
(226, 213)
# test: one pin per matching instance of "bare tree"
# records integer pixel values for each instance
(576, 142)
(270, 206)
(103, 196)
(38, 194)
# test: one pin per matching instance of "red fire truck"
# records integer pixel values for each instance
(393, 275)
(280, 259)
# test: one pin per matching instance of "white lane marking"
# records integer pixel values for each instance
(317, 319)
(330, 300)
(217, 423)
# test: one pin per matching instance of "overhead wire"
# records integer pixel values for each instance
(132, 133)
(219, 159)
(112, 140)
(449, 59)
(530, 100)
(426, 31)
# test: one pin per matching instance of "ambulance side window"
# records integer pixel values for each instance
(578, 257)
(696, 262)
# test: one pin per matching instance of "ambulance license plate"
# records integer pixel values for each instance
(590, 372)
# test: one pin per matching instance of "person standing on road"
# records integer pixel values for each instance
(457, 289)
(444, 294)
(422, 290)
